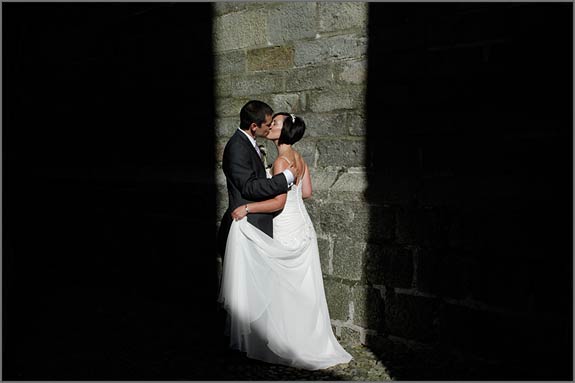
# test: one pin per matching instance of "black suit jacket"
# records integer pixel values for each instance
(247, 182)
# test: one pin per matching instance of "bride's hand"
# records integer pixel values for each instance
(239, 213)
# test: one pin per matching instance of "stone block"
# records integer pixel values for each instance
(338, 217)
(223, 7)
(442, 272)
(381, 224)
(386, 348)
(286, 103)
(291, 21)
(256, 84)
(240, 30)
(504, 282)
(389, 265)
(410, 222)
(338, 297)
(356, 123)
(335, 218)
(484, 333)
(307, 148)
(223, 87)
(313, 207)
(368, 307)
(324, 247)
(389, 189)
(324, 124)
(339, 152)
(230, 106)
(270, 58)
(350, 336)
(351, 186)
(351, 72)
(337, 98)
(328, 49)
(410, 317)
(226, 126)
(348, 258)
(316, 77)
(219, 150)
(336, 16)
(231, 62)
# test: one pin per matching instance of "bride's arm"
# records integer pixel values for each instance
(267, 206)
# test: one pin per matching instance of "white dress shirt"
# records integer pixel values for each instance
(288, 174)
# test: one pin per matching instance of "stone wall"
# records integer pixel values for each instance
(310, 59)
(434, 220)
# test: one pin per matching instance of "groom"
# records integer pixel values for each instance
(245, 173)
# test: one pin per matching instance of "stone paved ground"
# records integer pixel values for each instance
(364, 367)
(392, 362)
(174, 343)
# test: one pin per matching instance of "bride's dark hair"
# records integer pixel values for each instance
(292, 129)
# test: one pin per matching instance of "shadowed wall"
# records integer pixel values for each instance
(470, 161)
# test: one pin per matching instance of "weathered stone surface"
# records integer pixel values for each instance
(291, 21)
(351, 186)
(340, 152)
(313, 207)
(324, 124)
(348, 258)
(324, 246)
(381, 224)
(220, 145)
(226, 126)
(240, 30)
(356, 123)
(410, 317)
(389, 265)
(223, 87)
(256, 84)
(332, 99)
(352, 72)
(349, 335)
(272, 58)
(230, 107)
(289, 102)
(368, 307)
(338, 297)
(329, 49)
(223, 7)
(316, 77)
(336, 218)
(334, 16)
(307, 148)
(229, 63)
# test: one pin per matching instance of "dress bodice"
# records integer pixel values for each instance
(293, 226)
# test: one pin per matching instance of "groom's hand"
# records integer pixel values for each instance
(239, 213)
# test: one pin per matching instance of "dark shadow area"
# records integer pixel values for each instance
(109, 196)
(109, 269)
(470, 158)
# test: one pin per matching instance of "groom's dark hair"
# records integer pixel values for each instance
(254, 111)
(293, 128)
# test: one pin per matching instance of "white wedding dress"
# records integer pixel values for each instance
(273, 292)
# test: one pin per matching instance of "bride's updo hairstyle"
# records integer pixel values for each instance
(292, 130)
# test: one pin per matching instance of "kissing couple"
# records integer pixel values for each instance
(271, 285)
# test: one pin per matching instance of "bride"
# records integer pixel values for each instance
(272, 288)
